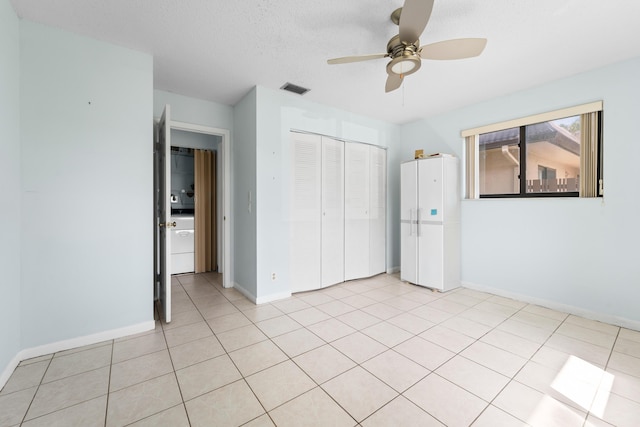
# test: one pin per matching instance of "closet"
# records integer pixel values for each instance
(337, 211)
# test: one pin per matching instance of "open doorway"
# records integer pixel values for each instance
(196, 202)
(194, 137)
(203, 137)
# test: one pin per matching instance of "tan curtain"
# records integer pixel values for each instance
(205, 211)
(589, 155)
(471, 154)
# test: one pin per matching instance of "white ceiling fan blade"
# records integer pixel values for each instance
(453, 49)
(348, 59)
(394, 81)
(413, 19)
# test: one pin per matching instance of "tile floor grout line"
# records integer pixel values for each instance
(175, 373)
(36, 392)
(613, 346)
(513, 378)
(334, 400)
(56, 380)
(106, 406)
(243, 377)
(510, 379)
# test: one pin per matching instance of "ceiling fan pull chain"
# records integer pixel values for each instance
(402, 93)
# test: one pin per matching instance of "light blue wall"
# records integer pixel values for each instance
(244, 183)
(10, 206)
(86, 112)
(581, 253)
(192, 110)
(279, 112)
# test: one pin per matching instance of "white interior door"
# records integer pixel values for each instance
(163, 153)
(332, 240)
(305, 217)
(356, 212)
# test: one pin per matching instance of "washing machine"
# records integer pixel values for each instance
(182, 244)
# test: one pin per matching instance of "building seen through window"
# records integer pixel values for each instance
(537, 158)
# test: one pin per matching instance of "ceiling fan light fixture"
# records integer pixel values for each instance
(404, 65)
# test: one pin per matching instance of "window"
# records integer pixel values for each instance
(551, 154)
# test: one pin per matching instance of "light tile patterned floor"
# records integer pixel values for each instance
(374, 352)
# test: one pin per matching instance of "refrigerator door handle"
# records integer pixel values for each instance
(418, 228)
(410, 222)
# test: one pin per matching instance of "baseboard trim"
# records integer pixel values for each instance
(393, 270)
(244, 292)
(41, 350)
(260, 300)
(8, 370)
(274, 297)
(554, 305)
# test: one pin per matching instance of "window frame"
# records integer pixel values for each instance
(472, 151)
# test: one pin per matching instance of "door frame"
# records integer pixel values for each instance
(225, 148)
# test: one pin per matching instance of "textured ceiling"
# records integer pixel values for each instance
(218, 50)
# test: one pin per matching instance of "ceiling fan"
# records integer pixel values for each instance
(404, 49)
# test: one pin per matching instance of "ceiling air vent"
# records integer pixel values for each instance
(295, 88)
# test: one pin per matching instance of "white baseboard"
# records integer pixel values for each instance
(393, 270)
(261, 300)
(8, 370)
(273, 297)
(244, 292)
(554, 305)
(54, 347)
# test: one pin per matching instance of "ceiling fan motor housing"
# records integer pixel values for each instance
(404, 57)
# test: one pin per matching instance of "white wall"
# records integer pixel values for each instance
(277, 113)
(244, 186)
(10, 206)
(193, 111)
(577, 253)
(86, 113)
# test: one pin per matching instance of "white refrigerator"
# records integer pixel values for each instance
(430, 222)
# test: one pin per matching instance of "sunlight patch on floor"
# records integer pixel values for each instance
(585, 384)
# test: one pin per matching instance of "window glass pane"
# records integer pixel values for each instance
(553, 156)
(499, 158)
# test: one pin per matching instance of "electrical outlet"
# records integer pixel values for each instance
(273, 276)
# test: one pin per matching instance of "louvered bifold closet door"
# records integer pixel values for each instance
(377, 208)
(332, 211)
(356, 211)
(305, 212)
